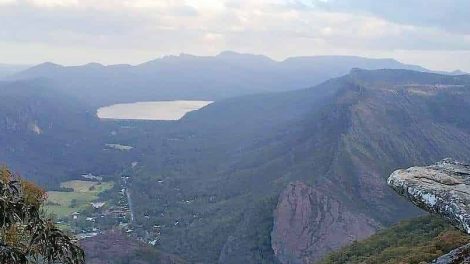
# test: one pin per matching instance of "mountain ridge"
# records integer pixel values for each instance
(228, 74)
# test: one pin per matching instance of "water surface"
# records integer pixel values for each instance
(159, 110)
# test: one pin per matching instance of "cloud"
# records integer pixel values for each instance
(278, 28)
(7, 2)
(54, 3)
(450, 15)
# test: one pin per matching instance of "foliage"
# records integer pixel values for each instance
(419, 240)
(25, 236)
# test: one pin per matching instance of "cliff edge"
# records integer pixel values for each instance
(443, 189)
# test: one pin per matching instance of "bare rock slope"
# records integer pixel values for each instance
(308, 224)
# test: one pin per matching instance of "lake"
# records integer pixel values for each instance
(159, 110)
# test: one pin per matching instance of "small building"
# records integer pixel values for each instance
(98, 205)
(75, 215)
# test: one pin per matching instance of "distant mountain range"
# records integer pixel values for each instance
(194, 77)
(9, 69)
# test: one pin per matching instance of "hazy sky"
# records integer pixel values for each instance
(432, 33)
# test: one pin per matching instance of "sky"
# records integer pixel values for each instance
(431, 33)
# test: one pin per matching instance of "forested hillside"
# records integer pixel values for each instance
(413, 241)
(117, 248)
(342, 138)
(50, 136)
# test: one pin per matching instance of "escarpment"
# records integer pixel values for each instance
(308, 224)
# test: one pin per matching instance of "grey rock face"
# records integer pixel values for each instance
(457, 256)
(443, 188)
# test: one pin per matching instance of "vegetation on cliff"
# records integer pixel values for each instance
(414, 241)
(25, 235)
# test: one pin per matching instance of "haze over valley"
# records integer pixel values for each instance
(275, 136)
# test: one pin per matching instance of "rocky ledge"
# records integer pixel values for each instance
(443, 189)
(460, 255)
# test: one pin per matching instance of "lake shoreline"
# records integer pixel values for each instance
(151, 110)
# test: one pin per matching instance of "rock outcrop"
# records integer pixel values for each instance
(456, 256)
(443, 188)
(308, 224)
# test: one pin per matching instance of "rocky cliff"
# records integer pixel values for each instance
(308, 224)
(443, 189)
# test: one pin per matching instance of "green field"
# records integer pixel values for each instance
(63, 204)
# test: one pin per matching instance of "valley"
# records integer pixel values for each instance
(90, 206)
(77, 196)
(216, 185)
(234, 132)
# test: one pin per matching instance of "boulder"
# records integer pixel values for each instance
(442, 188)
(456, 256)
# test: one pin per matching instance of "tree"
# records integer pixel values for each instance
(26, 236)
